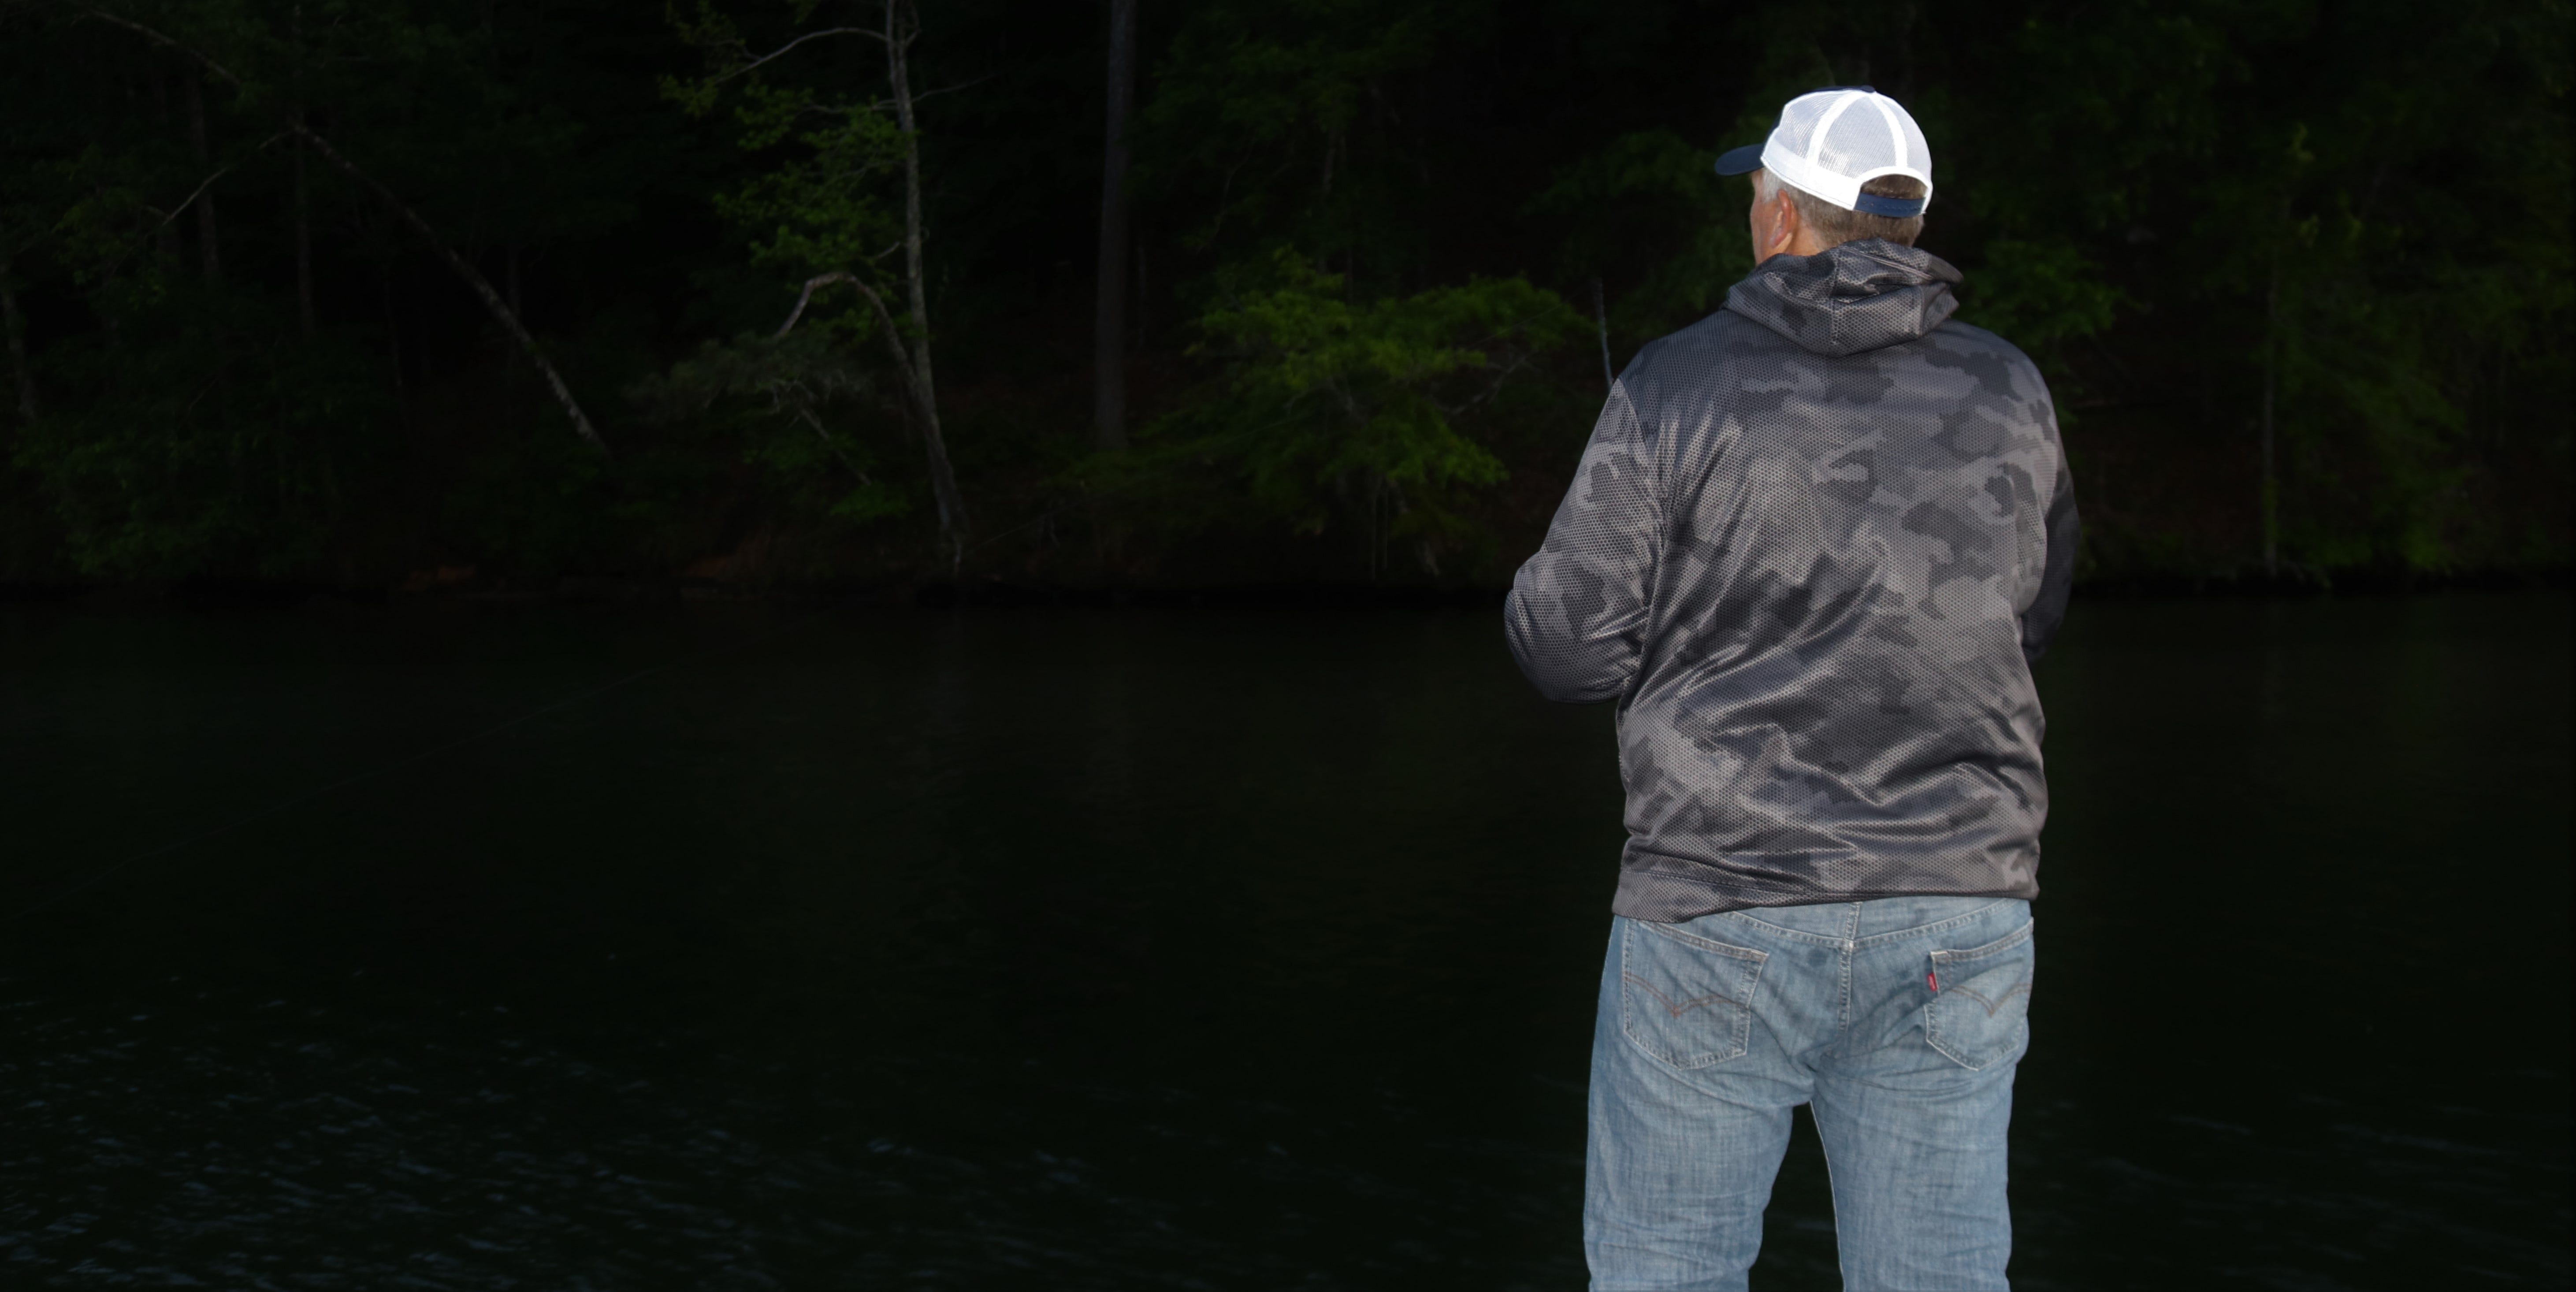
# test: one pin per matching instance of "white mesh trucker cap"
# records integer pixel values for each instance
(1830, 142)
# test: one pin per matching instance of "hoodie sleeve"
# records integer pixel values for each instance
(1578, 609)
(2057, 578)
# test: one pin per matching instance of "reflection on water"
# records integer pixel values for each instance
(1143, 949)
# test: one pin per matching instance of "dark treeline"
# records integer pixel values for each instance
(366, 291)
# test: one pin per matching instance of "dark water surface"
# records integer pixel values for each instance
(1148, 949)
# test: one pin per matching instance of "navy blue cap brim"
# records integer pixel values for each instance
(1740, 161)
(1894, 208)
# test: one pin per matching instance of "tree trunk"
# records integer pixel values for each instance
(303, 212)
(903, 26)
(15, 325)
(2271, 382)
(1109, 326)
(500, 309)
(393, 329)
(165, 238)
(209, 250)
(303, 244)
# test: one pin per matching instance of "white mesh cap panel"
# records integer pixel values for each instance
(1831, 142)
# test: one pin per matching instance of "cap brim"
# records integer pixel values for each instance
(1740, 161)
(1894, 208)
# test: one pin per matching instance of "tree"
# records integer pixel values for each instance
(224, 352)
(1109, 327)
(821, 212)
(262, 94)
(1329, 406)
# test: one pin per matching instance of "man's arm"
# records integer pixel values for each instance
(1578, 609)
(2057, 578)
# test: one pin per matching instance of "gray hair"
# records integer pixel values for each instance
(1834, 226)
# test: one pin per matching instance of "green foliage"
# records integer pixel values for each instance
(826, 209)
(192, 424)
(1270, 125)
(2188, 211)
(2393, 248)
(1330, 406)
(790, 403)
(822, 203)
(2043, 293)
(540, 503)
(1649, 215)
(209, 446)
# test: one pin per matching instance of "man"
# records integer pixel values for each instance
(1813, 548)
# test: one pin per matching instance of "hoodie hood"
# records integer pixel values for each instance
(1849, 299)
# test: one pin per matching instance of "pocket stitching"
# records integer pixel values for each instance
(1997, 947)
(1738, 1041)
(2021, 988)
(1684, 1007)
(1942, 959)
(1694, 940)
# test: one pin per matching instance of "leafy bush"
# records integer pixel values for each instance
(1327, 407)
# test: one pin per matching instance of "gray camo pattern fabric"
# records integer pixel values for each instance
(1814, 547)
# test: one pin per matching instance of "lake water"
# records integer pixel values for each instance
(1181, 949)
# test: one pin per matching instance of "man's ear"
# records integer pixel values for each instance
(1785, 222)
(1766, 220)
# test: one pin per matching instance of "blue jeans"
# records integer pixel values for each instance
(1900, 1020)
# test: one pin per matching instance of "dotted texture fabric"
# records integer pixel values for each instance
(1813, 548)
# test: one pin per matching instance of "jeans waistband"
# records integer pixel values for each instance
(1879, 918)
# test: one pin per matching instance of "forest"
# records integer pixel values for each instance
(494, 295)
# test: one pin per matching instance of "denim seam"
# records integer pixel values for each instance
(1848, 1080)
(1875, 939)
(1843, 1021)
(1793, 935)
(1704, 944)
(1995, 948)
(1832, 1194)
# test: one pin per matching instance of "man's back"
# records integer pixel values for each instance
(1812, 548)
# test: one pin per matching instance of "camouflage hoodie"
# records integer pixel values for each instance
(1812, 550)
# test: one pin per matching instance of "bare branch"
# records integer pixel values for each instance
(834, 445)
(950, 89)
(781, 51)
(158, 39)
(500, 309)
(885, 318)
(818, 280)
(1492, 389)
(208, 182)
(191, 199)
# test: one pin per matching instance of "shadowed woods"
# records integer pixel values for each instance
(1145, 294)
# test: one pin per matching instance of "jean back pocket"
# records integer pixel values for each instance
(1685, 999)
(1979, 1014)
